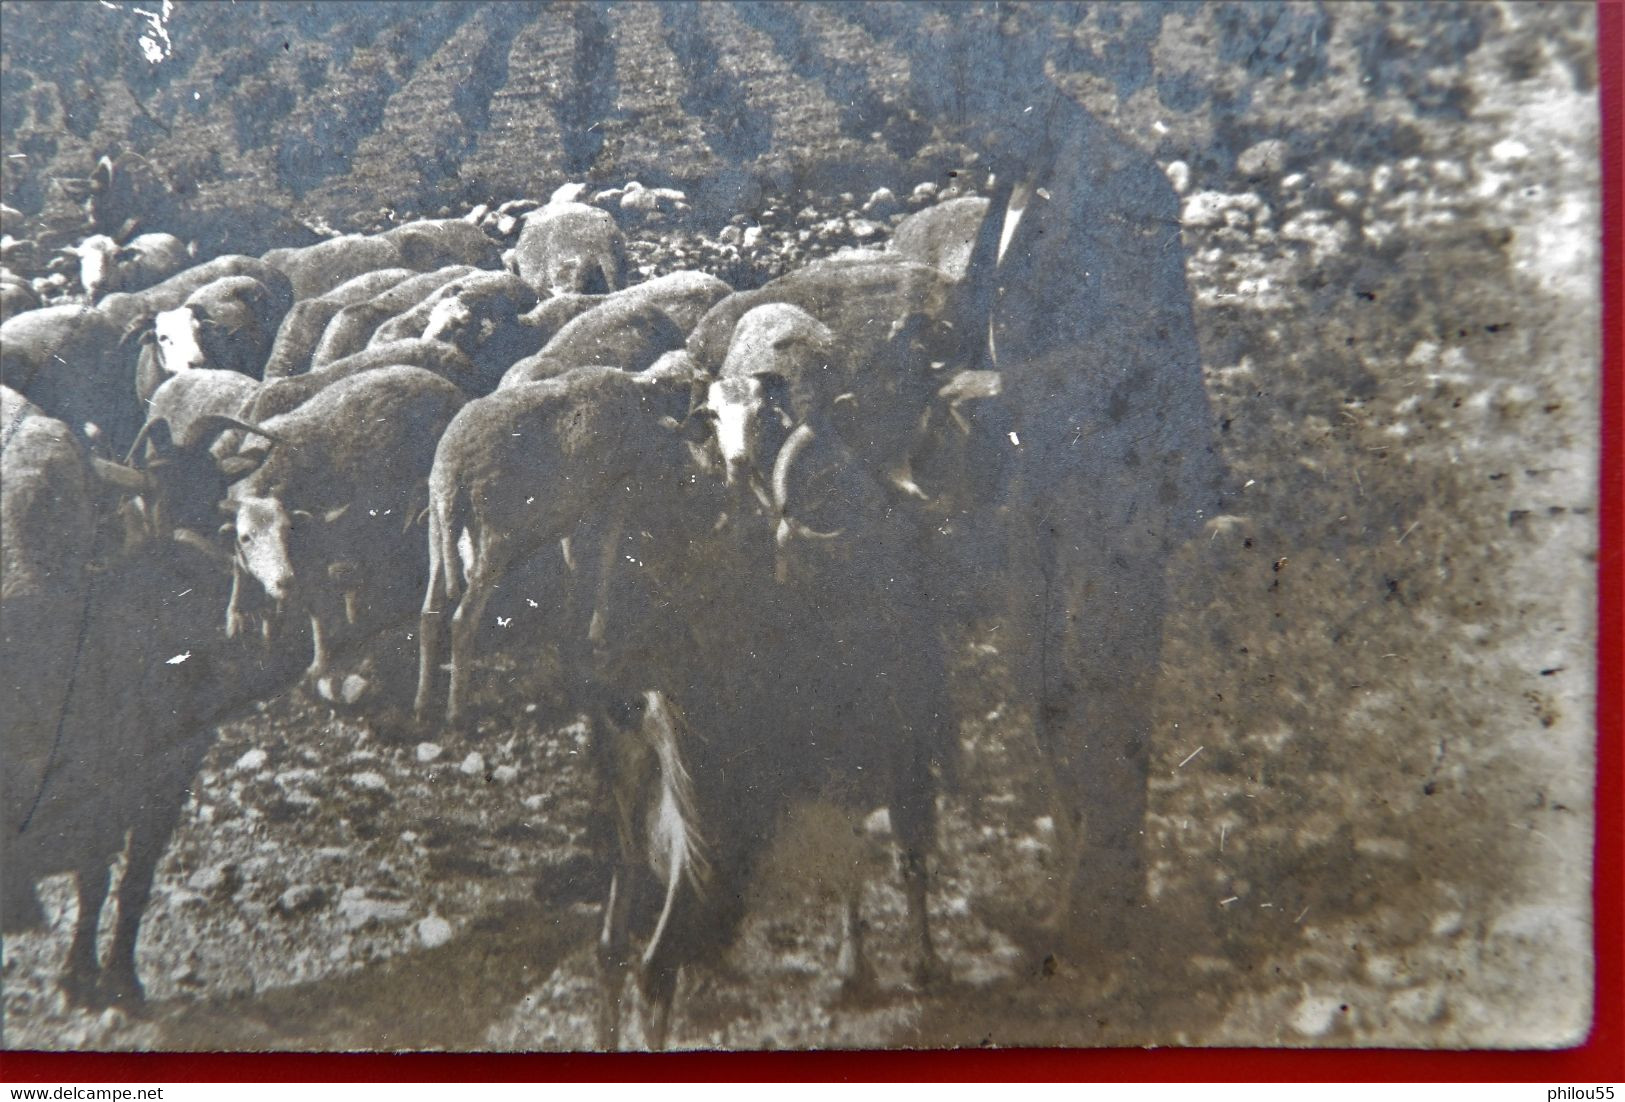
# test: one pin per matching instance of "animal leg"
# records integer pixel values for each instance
(914, 819)
(612, 953)
(120, 982)
(852, 965)
(490, 559)
(319, 646)
(608, 550)
(79, 982)
(431, 622)
(235, 620)
(659, 992)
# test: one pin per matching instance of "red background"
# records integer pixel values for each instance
(1600, 1059)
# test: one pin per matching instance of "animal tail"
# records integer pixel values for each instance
(447, 515)
(676, 848)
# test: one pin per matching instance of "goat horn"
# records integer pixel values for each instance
(794, 445)
(116, 474)
(215, 423)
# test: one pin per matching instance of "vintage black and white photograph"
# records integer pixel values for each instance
(587, 525)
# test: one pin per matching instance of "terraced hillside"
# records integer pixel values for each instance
(255, 114)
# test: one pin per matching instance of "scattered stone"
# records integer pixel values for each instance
(882, 202)
(221, 880)
(1179, 175)
(253, 760)
(731, 235)
(358, 909)
(752, 237)
(428, 752)
(863, 229)
(568, 193)
(369, 781)
(477, 215)
(1509, 149)
(433, 931)
(878, 823)
(1266, 158)
(641, 201)
(505, 774)
(299, 899)
(924, 192)
(534, 802)
(609, 197)
(187, 974)
(473, 765)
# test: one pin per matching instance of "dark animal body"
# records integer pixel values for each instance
(834, 689)
(313, 270)
(112, 683)
(151, 678)
(435, 243)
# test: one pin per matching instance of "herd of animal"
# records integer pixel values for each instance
(217, 475)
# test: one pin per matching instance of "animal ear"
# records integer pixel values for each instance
(237, 466)
(102, 174)
(127, 254)
(301, 516)
(775, 388)
(334, 514)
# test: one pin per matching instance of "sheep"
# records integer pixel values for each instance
(942, 236)
(128, 309)
(313, 270)
(278, 396)
(352, 328)
(572, 458)
(571, 247)
(428, 244)
(627, 334)
(106, 266)
(324, 514)
(72, 362)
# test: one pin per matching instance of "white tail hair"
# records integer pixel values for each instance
(676, 848)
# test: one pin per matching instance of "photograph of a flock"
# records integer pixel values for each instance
(620, 525)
